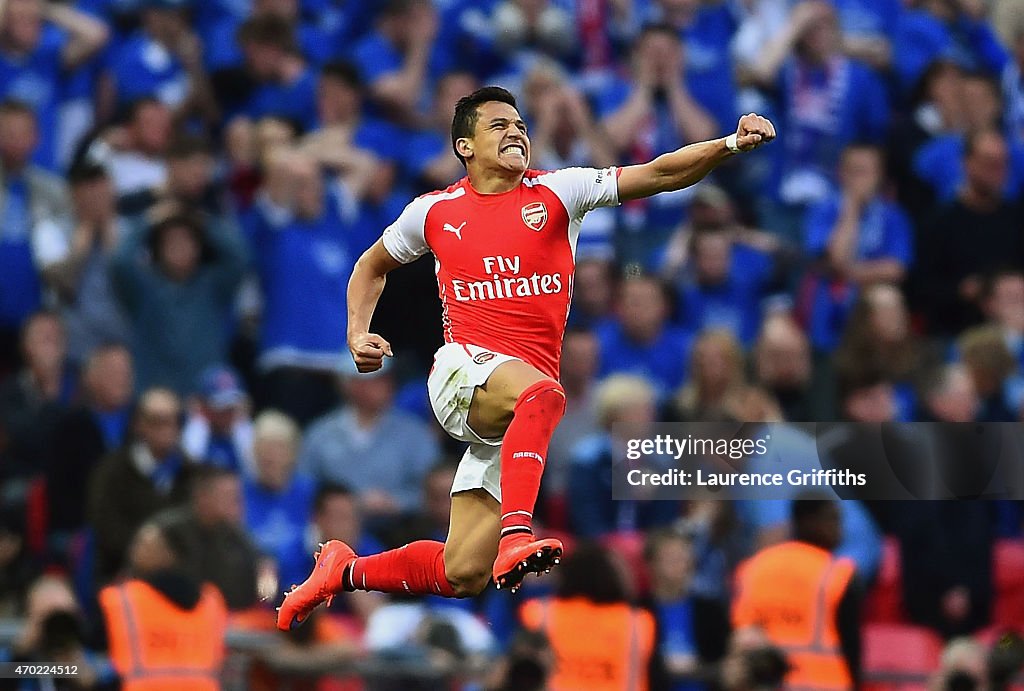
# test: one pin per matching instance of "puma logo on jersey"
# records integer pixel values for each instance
(448, 227)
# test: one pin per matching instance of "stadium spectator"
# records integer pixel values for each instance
(134, 482)
(73, 257)
(955, 257)
(706, 30)
(878, 334)
(865, 394)
(782, 365)
(30, 196)
(338, 446)
(725, 274)
(642, 341)
(213, 546)
(191, 182)
(858, 239)
(937, 108)
(32, 399)
(55, 632)
(765, 522)
(278, 501)
(806, 600)
(578, 377)
(828, 101)
(593, 292)
(949, 395)
(39, 43)
(716, 370)
(524, 29)
(685, 621)
(297, 231)
(1003, 304)
(936, 28)
(947, 580)
(17, 567)
(626, 409)
(939, 164)
(990, 364)
(218, 430)
(752, 663)
(162, 60)
(178, 302)
(98, 425)
(400, 58)
(282, 84)
(650, 111)
(590, 622)
(337, 516)
(427, 161)
(134, 153)
(162, 625)
(431, 521)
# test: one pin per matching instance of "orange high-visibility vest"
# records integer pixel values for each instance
(792, 591)
(156, 646)
(597, 647)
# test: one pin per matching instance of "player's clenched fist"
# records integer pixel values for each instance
(753, 131)
(368, 351)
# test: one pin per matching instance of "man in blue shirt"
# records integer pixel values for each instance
(826, 101)
(400, 59)
(283, 84)
(28, 195)
(648, 113)
(641, 341)
(162, 60)
(278, 501)
(298, 233)
(35, 53)
(859, 238)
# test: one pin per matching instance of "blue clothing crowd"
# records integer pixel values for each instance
(186, 185)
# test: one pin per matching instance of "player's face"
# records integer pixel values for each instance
(500, 140)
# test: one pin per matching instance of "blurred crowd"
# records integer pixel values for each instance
(186, 184)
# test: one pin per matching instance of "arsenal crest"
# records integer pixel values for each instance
(535, 215)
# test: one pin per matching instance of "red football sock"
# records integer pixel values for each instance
(524, 453)
(416, 568)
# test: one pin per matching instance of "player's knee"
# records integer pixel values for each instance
(467, 580)
(546, 396)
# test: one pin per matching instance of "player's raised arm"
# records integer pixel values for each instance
(364, 289)
(683, 167)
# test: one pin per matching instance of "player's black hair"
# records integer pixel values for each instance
(466, 112)
(344, 72)
(85, 172)
(326, 491)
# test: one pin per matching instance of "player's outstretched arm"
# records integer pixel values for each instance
(364, 289)
(683, 167)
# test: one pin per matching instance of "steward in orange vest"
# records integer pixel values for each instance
(600, 641)
(806, 600)
(165, 633)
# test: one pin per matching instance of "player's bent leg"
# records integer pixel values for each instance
(526, 406)
(472, 543)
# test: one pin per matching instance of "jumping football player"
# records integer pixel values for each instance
(504, 242)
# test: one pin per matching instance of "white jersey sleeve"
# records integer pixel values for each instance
(405, 239)
(583, 189)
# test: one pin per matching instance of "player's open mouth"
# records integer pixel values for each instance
(514, 149)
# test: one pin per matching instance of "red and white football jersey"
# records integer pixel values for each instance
(504, 262)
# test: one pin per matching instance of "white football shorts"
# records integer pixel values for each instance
(458, 369)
